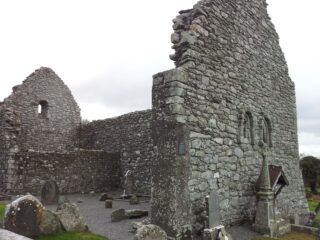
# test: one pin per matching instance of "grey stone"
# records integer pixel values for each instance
(135, 226)
(70, 218)
(213, 210)
(136, 213)
(104, 197)
(150, 232)
(7, 235)
(134, 200)
(118, 215)
(108, 203)
(23, 215)
(50, 223)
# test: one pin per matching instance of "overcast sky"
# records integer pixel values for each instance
(107, 51)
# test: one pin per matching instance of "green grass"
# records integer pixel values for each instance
(312, 205)
(72, 236)
(2, 209)
(290, 236)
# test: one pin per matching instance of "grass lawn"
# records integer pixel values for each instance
(291, 236)
(72, 236)
(2, 208)
(312, 207)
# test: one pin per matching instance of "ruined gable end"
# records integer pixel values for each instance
(228, 100)
(48, 113)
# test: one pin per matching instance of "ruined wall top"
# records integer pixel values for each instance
(48, 113)
(213, 27)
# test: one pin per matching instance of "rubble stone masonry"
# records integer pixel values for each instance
(229, 95)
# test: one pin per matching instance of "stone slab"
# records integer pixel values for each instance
(7, 235)
(214, 210)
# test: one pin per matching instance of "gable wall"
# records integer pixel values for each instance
(228, 62)
(57, 130)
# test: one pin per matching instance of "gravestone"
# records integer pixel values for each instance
(108, 203)
(23, 216)
(50, 193)
(213, 209)
(129, 184)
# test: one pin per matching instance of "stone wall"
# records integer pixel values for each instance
(74, 172)
(9, 132)
(3, 150)
(47, 111)
(232, 96)
(130, 136)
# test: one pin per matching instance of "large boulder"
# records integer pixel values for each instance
(70, 218)
(150, 232)
(118, 215)
(50, 223)
(23, 216)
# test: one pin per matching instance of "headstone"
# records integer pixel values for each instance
(213, 210)
(70, 218)
(118, 215)
(50, 193)
(108, 203)
(129, 184)
(23, 216)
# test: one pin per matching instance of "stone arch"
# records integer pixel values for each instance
(246, 126)
(43, 108)
(265, 130)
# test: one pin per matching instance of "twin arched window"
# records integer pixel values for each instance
(247, 129)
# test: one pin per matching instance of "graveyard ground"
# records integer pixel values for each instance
(99, 221)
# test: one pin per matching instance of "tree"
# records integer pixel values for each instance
(310, 170)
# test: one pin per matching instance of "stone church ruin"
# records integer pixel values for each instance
(228, 101)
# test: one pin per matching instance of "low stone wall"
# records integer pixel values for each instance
(130, 135)
(74, 172)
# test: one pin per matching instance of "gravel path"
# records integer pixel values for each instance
(98, 218)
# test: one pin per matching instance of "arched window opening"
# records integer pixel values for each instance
(247, 127)
(43, 108)
(265, 134)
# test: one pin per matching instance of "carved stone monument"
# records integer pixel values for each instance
(270, 184)
(50, 193)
